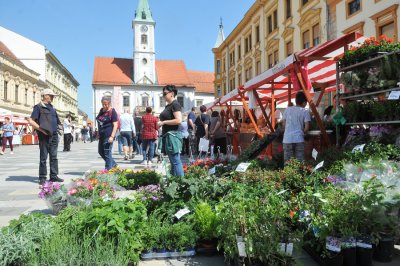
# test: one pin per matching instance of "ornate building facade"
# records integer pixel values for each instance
(45, 66)
(271, 30)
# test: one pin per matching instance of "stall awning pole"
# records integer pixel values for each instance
(245, 106)
(263, 111)
(235, 140)
(302, 82)
(273, 105)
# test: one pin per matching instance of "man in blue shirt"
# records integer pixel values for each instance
(45, 121)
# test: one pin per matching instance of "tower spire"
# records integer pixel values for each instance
(221, 35)
(143, 12)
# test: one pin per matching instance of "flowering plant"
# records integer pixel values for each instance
(54, 195)
(150, 195)
(49, 189)
(89, 189)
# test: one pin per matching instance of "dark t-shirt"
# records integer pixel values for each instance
(168, 114)
(191, 116)
(36, 115)
(138, 124)
(200, 130)
(105, 121)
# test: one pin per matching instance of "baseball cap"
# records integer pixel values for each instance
(48, 92)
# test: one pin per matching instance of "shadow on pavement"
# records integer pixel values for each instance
(24, 178)
(74, 173)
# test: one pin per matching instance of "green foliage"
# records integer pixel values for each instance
(23, 237)
(133, 180)
(205, 220)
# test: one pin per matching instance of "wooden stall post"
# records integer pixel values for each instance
(245, 106)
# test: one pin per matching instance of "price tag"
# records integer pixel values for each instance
(318, 166)
(394, 95)
(211, 171)
(333, 244)
(241, 246)
(289, 249)
(181, 213)
(359, 148)
(242, 167)
(314, 154)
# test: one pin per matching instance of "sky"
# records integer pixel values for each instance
(76, 31)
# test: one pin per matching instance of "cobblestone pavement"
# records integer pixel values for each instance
(19, 189)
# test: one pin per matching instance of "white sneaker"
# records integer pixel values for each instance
(12, 152)
(144, 163)
(1, 153)
(149, 163)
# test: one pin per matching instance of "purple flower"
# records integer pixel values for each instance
(334, 179)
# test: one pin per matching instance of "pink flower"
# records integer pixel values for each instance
(80, 183)
(72, 191)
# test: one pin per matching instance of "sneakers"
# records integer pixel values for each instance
(126, 158)
(56, 179)
(1, 152)
(42, 181)
(144, 163)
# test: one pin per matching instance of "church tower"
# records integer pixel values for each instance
(144, 70)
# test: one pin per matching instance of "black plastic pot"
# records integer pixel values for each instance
(349, 257)
(384, 250)
(336, 259)
(364, 256)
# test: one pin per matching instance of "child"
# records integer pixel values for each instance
(296, 123)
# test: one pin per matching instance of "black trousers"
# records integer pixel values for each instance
(67, 141)
(48, 146)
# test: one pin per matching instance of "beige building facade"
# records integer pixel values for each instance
(271, 30)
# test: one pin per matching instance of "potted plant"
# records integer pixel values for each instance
(205, 220)
(55, 196)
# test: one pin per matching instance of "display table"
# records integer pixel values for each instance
(30, 140)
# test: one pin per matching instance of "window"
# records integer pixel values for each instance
(199, 103)
(145, 100)
(289, 48)
(144, 39)
(316, 35)
(125, 101)
(388, 30)
(276, 57)
(270, 61)
(257, 34)
(258, 68)
(232, 84)
(353, 7)
(162, 101)
(288, 8)
(275, 19)
(269, 24)
(218, 66)
(306, 39)
(248, 74)
(181, 101)
(219, 91)
(304, 2)
(239, 52)
(26, 96)
(232, 58)
(34, 97)
(16, 93)
(5, 96)
(248, 44)
(240, 78)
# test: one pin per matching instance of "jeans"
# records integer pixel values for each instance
(148, 143)
(295, 150)
(119, 144)
(136, 143)
(48, 145)
(176, 164)
(105, 151)
(10, 140)
(67, 141)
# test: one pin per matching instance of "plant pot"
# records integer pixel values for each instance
(207, 247)
(349, 257)
(336, 259)
(364, 256)
(56, 207)
(384, 250)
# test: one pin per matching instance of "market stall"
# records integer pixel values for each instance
(308, 70)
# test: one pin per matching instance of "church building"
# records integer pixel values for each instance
(137, 82)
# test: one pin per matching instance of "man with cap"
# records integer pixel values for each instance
(45, 120)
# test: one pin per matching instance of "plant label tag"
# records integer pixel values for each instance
(181, 213)
(359, 148)
(242, 167)
(211, 171)
(289, 249)
(318, 166)
(241, 246)
(333, 244)
(349, 242)
(314, 154)
(394, 95)
(282, 248)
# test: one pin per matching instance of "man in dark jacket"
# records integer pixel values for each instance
(45, 120)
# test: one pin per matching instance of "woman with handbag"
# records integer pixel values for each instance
(217, 133)
(171, 138)
(202, 128)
